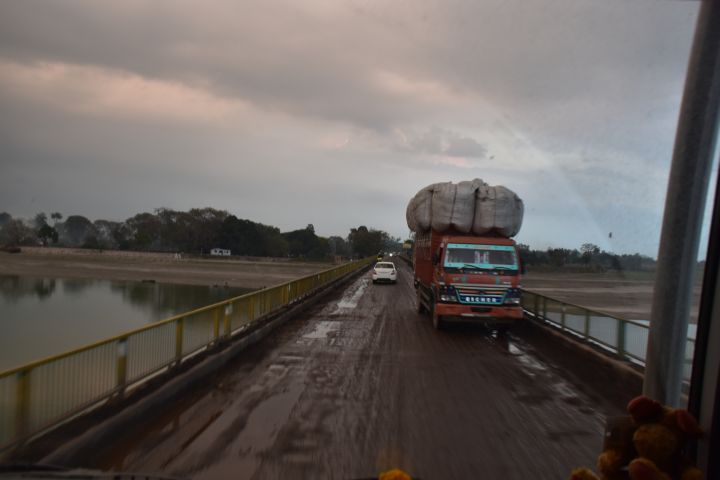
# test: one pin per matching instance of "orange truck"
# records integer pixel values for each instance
(461, 277)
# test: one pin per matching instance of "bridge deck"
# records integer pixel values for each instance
(363, 383)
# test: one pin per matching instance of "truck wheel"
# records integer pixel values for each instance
(437, 321)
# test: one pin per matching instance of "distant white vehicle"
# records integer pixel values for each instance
(220, 252)
(384, 272)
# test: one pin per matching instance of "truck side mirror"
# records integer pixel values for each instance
(435, 258)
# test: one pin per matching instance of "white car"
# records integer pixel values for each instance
(384, 272)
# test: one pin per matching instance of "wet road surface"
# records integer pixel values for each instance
(362, 384)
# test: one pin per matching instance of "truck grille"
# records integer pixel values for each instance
(481, 295)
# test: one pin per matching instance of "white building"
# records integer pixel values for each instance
(220, 252)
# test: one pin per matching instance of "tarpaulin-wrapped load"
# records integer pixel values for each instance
(497, 209)
(419, 210)
(468, 207)
(453, 206)
(443, 199)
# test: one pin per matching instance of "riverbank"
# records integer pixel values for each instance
(624, 294)
(155, 267)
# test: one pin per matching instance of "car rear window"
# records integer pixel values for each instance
(384, 265)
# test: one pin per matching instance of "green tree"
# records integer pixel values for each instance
(245, 237)
(91, 241)
(46, 233)
(15, 232)
(75, 230)
(588, 251)
(304, 243)
(143, 231)
(107, 233)
(559, 256)
(275, 243)
(366, 242)
(206, 224)
(338, 246)
(40, 220)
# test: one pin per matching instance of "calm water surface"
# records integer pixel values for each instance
(40, 317)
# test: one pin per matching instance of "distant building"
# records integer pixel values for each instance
(220, 252)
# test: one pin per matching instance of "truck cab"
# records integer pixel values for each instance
(465, 278)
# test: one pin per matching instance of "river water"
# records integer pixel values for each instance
(40, 317)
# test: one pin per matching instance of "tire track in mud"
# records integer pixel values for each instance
(362, 384)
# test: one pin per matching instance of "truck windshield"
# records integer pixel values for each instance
(480, 257)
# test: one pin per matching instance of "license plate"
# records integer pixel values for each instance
(480, 299)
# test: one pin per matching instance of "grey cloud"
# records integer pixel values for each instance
(310, 64)
(587, 78)
(465, 147)
(439, 141)
(282, 60)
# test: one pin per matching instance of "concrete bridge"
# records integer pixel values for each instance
(357, 383)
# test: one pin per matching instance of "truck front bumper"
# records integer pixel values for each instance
(495, 315)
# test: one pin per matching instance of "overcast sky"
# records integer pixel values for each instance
(336, 112)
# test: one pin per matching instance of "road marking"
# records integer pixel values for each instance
(349, 302)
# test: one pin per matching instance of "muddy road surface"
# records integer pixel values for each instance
(362, 384)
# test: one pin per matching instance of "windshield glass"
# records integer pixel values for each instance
(181, 179)
(486, 257)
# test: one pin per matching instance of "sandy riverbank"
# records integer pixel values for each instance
(159, 267)
(625, 295)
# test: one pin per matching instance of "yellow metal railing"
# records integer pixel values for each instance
(627, 339)
(41, 394)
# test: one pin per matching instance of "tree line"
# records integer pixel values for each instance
(589, 258)
(195, 231)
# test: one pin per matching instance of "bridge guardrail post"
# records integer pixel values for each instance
(22, 418)
(227, 326)
(121, 366)
(544, 308)
(536, 312)
(178, 339)
(586, 331)
(216, 324)
(621, 339)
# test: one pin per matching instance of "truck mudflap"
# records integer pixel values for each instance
(480, 313)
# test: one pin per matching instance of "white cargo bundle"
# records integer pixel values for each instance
(419, 211)
(468, 207)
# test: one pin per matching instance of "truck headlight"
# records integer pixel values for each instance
(512, 297)
(448, 294)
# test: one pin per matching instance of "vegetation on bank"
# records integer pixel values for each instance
(195, 231)
(199, 230)
(589, 258)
